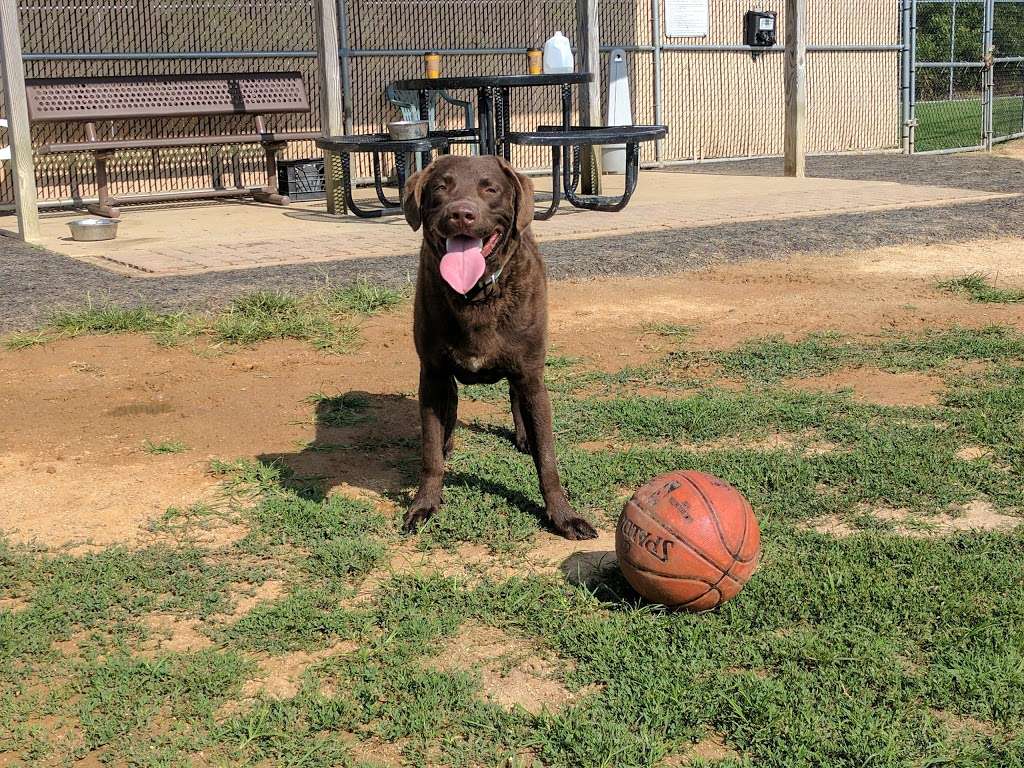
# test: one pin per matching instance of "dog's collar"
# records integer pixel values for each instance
(486, 283)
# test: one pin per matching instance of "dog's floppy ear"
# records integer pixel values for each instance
(524, 194)
(412, 197)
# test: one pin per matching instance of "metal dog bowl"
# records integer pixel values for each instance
(407, 129)
(94, 228)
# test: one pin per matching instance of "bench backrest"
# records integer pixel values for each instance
(147, 96)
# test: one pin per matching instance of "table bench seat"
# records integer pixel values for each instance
(551, 136)
(377, 144)
(565, 173)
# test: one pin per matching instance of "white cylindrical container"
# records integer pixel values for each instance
(558, 55)
(619, 111)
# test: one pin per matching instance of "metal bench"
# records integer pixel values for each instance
(565, 175)
(91, 100)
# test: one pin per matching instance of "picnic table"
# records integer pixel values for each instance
(493, 136)
(494, 100)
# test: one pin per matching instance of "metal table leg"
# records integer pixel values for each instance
(500, 127)
(425, 115)
(572, 154)
(506, 122)
(485, 120)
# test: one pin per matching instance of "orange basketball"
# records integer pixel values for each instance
(688, 540)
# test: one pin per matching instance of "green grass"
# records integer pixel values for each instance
(953, 124)
(267, 315)
(774, 358)
(340, 410)
(977, 287)
(164, 446)
(671, 330)
(325, 319)
(875, 649)
(365, 298)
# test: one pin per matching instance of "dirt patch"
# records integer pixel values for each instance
(248, 597)
(891, 288)
(172, 634)
(78, 412)
(56, 499)
(1010, 149)
(875, 386)
(711, 749)
(512, 674)
(976, 516)
(13, 604)
(376, 752)
(280, 676)
(963, 724)
(973, 453)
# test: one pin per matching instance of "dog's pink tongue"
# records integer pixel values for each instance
(463, 265)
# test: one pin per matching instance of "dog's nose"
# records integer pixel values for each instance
(462, 214)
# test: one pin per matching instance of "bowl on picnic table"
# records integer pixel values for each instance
(400, 130)
(93, 228)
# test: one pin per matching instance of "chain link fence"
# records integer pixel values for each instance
(968, 73)
(719, 99)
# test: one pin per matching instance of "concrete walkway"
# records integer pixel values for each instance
(195, 238)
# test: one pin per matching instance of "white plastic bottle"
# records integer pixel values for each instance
(558, 55)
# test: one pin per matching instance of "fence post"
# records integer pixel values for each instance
(906, 77)
(346, 65)
(332, 119)
(18, 132)
(988, 74)
(658, 89)
(588, 35)
(796, 87)
(913, 76)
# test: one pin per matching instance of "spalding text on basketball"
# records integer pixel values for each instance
(655, 545)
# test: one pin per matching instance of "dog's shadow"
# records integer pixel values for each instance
(361, 441)
(371, 442)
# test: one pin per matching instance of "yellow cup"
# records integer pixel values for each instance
(535, 61)
(432, 65)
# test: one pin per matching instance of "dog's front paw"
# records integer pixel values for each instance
(522, 443)
(569, 524)
(421, 510)
(577, 529)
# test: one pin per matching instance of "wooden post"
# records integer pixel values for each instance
(18, 133)
(332, 116)
(588, 59)
(796, 87)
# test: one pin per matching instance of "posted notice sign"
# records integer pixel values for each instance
(686, 18)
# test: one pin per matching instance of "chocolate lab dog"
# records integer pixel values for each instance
(481, 316)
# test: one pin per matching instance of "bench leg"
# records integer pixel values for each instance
(269, 193)
(105, 206)
(367, 213)
(378, 183)
(609, 204)
(556, 185)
